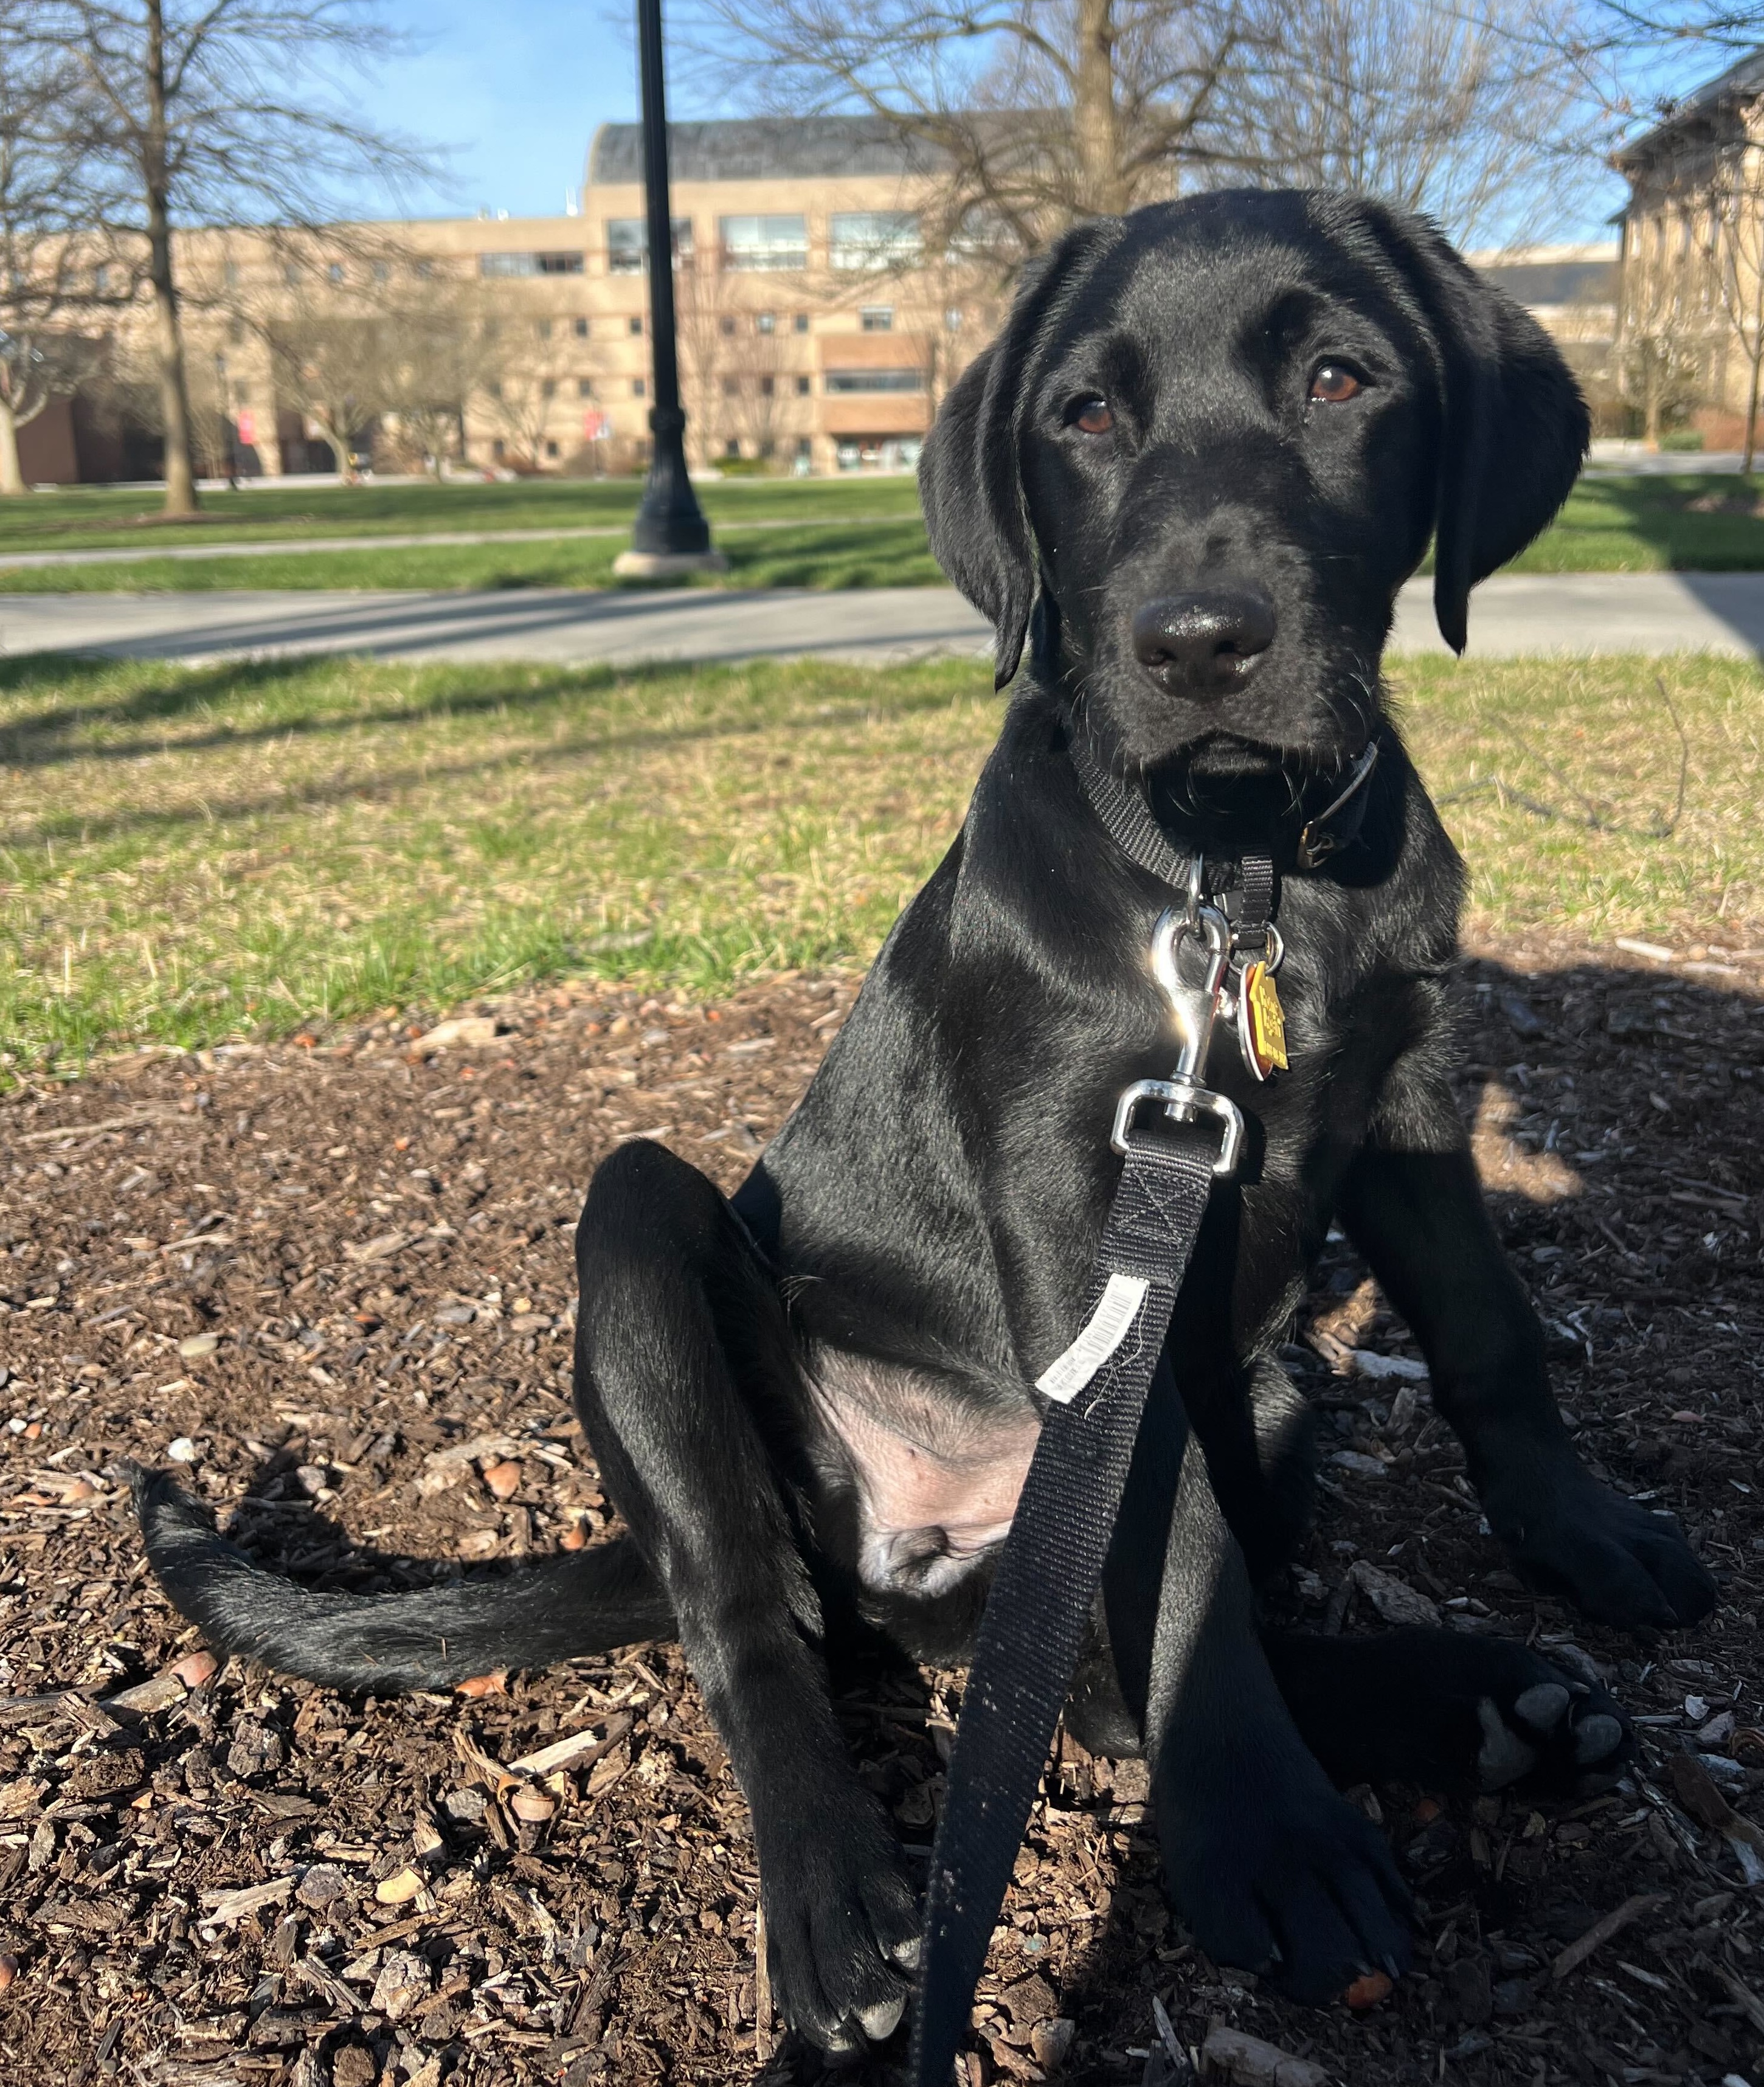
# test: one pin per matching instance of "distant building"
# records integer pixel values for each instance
(821, 319)
(816, 330)
(1693, 246)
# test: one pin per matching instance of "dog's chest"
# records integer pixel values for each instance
(934, 1479)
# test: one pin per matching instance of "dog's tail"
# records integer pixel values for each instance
(580, 1603)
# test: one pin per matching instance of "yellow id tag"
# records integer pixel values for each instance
(1260, 1022)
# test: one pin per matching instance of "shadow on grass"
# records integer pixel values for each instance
(553, 753)
(1695, 524)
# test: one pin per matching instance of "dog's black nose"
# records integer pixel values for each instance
(1204, 644)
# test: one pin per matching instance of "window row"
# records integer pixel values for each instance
(860, 239)
(837, 382)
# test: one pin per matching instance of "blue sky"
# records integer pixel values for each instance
(517, 89)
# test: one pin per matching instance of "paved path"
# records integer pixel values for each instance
(1574, 614)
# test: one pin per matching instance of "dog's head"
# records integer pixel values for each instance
(1215, 437)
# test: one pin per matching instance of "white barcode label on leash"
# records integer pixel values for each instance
(1117, 1309)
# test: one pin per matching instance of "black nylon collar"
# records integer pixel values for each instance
(1126, 817)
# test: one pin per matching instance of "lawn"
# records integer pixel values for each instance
(196, 854)
(777, 532)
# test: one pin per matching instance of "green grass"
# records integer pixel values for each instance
(97, 517)
(190, 855)
(1651, 525)
(818, 533)
(814, 554)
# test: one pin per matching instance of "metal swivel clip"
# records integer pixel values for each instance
(1191, 955)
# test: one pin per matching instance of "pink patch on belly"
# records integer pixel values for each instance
(936, 1481)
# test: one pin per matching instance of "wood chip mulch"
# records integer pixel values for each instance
(332, 1279)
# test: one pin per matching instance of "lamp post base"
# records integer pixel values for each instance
(666, 565)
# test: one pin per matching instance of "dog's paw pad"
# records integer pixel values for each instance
(1504, 1756)
(1542, 1705)
(879, 2023)
(1597, 1739)
(906, 1954)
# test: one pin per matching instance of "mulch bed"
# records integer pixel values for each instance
(333, 1278)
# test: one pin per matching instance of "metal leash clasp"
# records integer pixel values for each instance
(1202, 930)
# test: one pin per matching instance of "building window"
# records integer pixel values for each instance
(952, 319)
(805, 446)
(581, 329)
(732, 387)
(230, 275)
(872, 238)
(548, 388)
(291, 274)
(637, 324)
(726, 326)
(638, 388)
(542, 329)
(551, 448)
(627, 244)
(530, 264)
(380, 272)
(732, 448)
(496, 448)
(584, 387)
(875, 380)
(766, 322)
(805, 386)
(424, 271)
(801, 323)
(494, 387)
(766, 387)
(876, 318)
(100, 280)
(764, 242)
(335, 272)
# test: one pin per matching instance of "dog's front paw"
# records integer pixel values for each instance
(842, 1922)
(1614, 1560)
(1276, 1873)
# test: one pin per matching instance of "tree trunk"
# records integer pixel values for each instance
(168, 329)
(1095, 119)
(1751, 411)
(11, 474)
(1651, 410)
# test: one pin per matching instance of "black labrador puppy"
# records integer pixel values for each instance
(1213, 440)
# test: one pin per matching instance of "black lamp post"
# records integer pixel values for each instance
(671, 535)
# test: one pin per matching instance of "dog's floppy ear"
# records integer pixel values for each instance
(971, 489)
(1513, 425)
(971, 472)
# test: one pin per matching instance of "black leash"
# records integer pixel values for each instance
(1052, 1563)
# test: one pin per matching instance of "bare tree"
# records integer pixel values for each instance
(44, 266)
(1475, 112)
(1021, 117)
(187, 111)
(1663, 319)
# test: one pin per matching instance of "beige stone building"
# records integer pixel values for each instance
(819, 323)
(1691, 303)
(817, 332)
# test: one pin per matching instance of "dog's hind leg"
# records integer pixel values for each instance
(685, 1377)
(1447, 1710)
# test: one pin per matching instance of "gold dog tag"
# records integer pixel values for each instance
(1260, 1022)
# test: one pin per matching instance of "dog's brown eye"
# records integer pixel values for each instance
(1093, 417)
(1335, 382)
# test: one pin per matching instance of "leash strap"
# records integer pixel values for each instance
(1051, 1567)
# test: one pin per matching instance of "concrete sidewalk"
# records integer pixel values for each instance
(1572, 614)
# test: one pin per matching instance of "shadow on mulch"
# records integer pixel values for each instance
(340, 1278)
